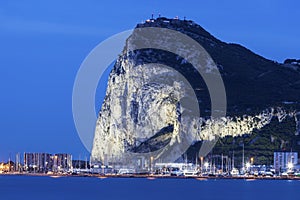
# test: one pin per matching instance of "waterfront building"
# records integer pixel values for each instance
(6, 167)
(61, 162)
(284, 161)
(44, 162)
(37, 162)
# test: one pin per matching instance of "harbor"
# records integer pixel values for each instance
(286, 166)
(159, 176)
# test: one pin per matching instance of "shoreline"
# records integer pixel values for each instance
(151, 177)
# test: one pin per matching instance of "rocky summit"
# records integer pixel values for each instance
(143, 111)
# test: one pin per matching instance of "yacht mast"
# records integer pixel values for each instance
(243, 164)
(222, 162)
(233, 159)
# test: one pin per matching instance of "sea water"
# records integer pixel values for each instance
(44, 188)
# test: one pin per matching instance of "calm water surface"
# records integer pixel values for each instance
(42, 188)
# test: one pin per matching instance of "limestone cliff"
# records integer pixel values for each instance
(143, 110)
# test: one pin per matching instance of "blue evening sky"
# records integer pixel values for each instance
(42, 44)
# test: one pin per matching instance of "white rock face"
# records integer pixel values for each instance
(136, 108)
(143, 113)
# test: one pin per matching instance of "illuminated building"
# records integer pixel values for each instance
(283, 160)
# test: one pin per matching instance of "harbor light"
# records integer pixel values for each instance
(206, 164)
(248, 165)
(252, 160)
(290, 165)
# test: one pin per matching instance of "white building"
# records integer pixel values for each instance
(284, 160)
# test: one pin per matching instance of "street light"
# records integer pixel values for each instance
(290, 165)
(248, 165)
(206, 164)
(252, 160)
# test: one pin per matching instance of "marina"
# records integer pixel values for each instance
(199, 177)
